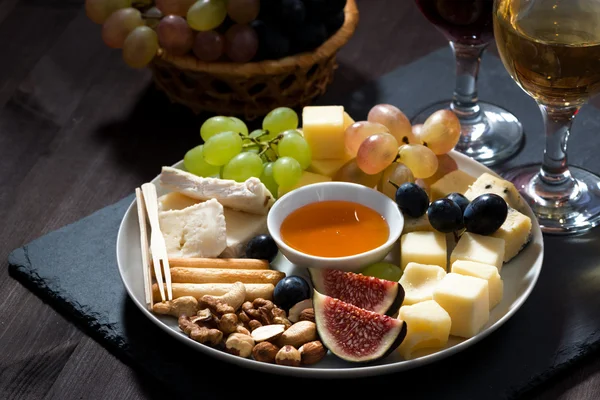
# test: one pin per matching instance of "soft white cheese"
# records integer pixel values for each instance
(195, 231)
(241, 227)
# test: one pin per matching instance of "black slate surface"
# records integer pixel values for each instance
(559, 323)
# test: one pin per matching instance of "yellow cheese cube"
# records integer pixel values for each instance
(427, 327)
(483, 271)
(423, 248)
(479, 248)
(323, 128)
(326, 167)
(466, 299)
(419, 280)
(456, 181)
(307, 178)
(417, 224)
(488, 183)
(347, 120)
(516, 232)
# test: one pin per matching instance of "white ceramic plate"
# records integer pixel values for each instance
(520, 276)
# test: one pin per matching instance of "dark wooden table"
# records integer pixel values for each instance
(79, 130)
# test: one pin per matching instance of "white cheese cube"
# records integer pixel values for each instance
(419, 280)
(417, 224)
(479, 248)
(427, 327)
(195, 231)
(488, 183)
(456, 181)
(516, 232)
(483, 271)
(175, 201)
(423, 248)
(466, 299)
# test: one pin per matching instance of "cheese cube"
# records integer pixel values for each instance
(423, 248)
(516, 232)
(326, 167)
(466, 299)
(479, 248)
(427, 327)
(241, 227)
(483, 271)
(488, 183)
(323, 128)
(347, 120)
(307, 178)
(455, 181)
(417, 224)
(175, 201)
(419, 280)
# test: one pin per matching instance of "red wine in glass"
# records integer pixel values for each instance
(467, 22)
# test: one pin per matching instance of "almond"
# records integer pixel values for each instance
(299, 333)
(267, 332)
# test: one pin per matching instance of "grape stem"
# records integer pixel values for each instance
(265, 145)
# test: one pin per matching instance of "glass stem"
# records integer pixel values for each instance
(555, 180)
(557, 123)
(464, 102)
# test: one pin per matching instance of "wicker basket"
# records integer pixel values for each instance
(252, 89)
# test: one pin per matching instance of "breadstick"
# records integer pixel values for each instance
(233, 263)
(218, 275)
(197, 290)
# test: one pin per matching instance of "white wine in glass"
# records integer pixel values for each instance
(551, 48)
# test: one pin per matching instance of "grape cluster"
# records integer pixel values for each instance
(389, 151)
(277, 154)
(215, 30)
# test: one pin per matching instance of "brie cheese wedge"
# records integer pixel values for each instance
(249, 196)
(240, 226)
(195, 231)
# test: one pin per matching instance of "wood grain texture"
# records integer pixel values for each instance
(79, 130)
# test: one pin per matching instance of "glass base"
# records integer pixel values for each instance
(494, 137)
(569, 215)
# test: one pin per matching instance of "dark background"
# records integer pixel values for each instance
(79, 130)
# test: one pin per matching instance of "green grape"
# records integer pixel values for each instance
(205, 15)
(219, 124)
(140, 47)
(384, 270)
(194, 162)
(99, 10)
(222, 147)
(243, 166)
(295, 132)
(295, 146)
(267, 178)
(279, 120)
(287, 171)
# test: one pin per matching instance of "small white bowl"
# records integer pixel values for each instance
(335, 191)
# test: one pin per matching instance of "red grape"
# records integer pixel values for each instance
(174, 35)
(209, 45)
(243, 11)
(241, 43)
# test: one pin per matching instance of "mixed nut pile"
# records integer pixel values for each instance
(257, 329)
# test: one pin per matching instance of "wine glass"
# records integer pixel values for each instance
(490, 134)
(551, 48)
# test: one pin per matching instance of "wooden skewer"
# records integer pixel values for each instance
(197, 290)
(230, 263)
(145, 249)
(217, 275)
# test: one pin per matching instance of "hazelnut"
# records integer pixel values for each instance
(242, 329)
(307, 314)
(253, 324)
(288, 355)
(265, 352)
(228, 323)
(312, 352)
(239, 344)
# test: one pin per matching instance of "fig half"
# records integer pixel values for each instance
(355, 334)
(373, 294)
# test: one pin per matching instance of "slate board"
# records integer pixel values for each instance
(554, 328)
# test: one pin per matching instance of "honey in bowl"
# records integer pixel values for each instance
(334, 228)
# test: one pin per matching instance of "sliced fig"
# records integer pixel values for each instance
(353, 333)
(368, 292)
